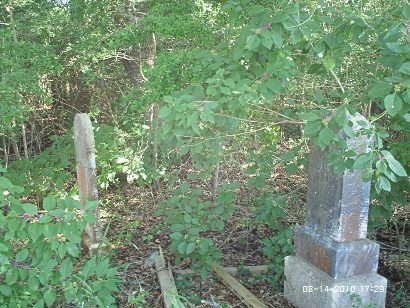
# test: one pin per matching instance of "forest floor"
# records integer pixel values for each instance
(137, 232)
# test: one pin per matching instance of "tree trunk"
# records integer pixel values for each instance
(6, 152)
(14, 145)
(23, 134)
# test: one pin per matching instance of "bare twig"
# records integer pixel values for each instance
(338, 81)
(216, 182)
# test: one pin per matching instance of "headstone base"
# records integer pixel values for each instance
(338, 260)
(308, 287)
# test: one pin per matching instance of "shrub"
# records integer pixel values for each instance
(40, 250)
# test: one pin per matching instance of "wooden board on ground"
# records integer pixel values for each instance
(252, 269)
(237, 288)
(166, 281)
(234, 270)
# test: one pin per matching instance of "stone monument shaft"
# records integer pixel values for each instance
(331, 246)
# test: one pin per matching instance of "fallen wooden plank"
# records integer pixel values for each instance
(166, 281)
(235, 270)
(237, 288)
(253, 269)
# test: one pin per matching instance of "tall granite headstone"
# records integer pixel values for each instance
(335, 265)
(86, 171)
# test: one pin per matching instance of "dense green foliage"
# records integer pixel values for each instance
(188, 217)
(268, 55)
(203, 82)
(39, 251)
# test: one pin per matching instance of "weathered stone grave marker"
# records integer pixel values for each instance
(86, 173)
(335, 265)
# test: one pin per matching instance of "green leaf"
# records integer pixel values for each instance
(22, 255)
(90, 217)
(287, 156)
(194, 231)
(47, 266)
(190, 248)
(102, 267)
(310, 116)
(165, 112)
(406, 11)
(211, 105)
(45, 219)
(208, 117)
(72, 204)
(348, 131)
(363, 162)
(4, 248)
(314, 68)
(184, 187)
(50, 296)
(256, 10)
(168, 99)
(326, 136)
(90, 267)
(394, 165)
(182, 247)
(11, 276)
(279, 16)
(203, 247)
(312, 128)
(405, 68)
(291, 169)
(229, 83)
(193, 118)
(274, 85)
(390, 175)
(57, 213)
(187, 218)
(329, 63)
(29, 208)
(39, 304)
(49, 203)
(6, 290)
(196, 129)
(384, 183)
(393, 104)
(380, 89)
(62, 250)
(406, 96)
(14, 224)
(381, 166)
(277, 39)
(70, 294)
(72, 249)
(226, 90)
(66, 267)
(253, 42)
(33, 283)
(267, 42)
(176, 236)
(219, 225)
(91, 204)
(177, 227)
(166, 128)
(395, 47)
